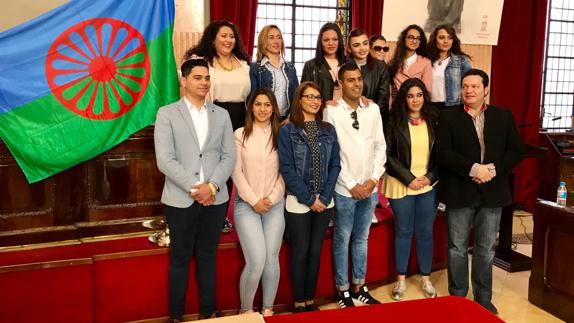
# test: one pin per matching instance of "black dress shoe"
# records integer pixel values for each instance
(203, 316)
(299, 309)
(311, 307)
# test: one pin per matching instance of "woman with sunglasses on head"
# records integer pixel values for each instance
(379, 48)
(449, 65)
(221, 46)
(374, 72)
(411, 172)
(271, 71)
(259, 202)
(310, 164)
(410, 59)
(329, 56)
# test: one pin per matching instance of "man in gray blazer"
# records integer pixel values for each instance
(195, 150)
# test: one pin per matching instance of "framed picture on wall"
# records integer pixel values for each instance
(476, 22)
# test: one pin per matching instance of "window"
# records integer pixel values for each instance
(558, 86)
(300, 22)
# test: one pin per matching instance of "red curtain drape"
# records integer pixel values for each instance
(367, 15)
(516, 74)
(240, 12)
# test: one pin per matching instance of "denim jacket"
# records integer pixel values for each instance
(261, 76)
(455, 69)
(296, 162)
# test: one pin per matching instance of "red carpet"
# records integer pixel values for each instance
(448, 309)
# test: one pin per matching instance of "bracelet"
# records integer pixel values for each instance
(376, 182)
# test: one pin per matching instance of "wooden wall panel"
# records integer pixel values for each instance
(23, 205)
(182, 41)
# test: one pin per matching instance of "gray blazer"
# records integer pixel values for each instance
(179, 158)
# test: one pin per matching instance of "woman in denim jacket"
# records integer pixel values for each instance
(449, 63)
(271, 71)
(310, 164)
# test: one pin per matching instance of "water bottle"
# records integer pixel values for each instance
(562, 194)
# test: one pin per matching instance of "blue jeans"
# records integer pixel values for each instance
(352, 223)
(260, 237)
(486, 222)
(414, 214)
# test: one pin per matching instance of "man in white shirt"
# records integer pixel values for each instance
(195, 150)
(363, 156)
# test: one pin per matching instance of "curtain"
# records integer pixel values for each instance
(367, 15)
(517, 63)
(243, 13)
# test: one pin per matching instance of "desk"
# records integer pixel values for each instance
(449, 309)
(551, 284)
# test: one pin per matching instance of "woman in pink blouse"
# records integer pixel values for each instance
(410, 59)
(259, 201)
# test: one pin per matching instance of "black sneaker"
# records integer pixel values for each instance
(364, 296)
(345, 300)
(227, 226)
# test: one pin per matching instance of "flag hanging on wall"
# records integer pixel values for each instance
(83, 77)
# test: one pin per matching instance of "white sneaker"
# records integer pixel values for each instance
(399, 290)
(428, 289)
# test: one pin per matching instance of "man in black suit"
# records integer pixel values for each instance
(478, 146)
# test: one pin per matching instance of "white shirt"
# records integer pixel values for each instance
(438, 93)
(410, 61)
(230, 86)
(363, 151)
(200, 122)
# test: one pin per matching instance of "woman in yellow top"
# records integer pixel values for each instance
(411, 173)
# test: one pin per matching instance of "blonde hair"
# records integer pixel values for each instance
(262, 42)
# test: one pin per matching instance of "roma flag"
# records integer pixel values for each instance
(83, 77)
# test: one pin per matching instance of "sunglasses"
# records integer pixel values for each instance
(381, 48)
(356, 122)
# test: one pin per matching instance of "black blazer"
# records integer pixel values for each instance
(459, 149)
(398, 165)
(318, 73)
(376, 84)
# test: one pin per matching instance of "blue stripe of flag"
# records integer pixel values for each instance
(23, 48)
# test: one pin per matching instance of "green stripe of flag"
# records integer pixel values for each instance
(50, 138)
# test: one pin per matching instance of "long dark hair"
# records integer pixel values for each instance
(296, 115)
(397, 61)
(320, 54)
(206, 49)
(433, 51)
(356, 33)
(250, 118)
(399, 115)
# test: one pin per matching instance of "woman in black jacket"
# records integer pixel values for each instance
(409, 179)
(374, 72)
(329, 56)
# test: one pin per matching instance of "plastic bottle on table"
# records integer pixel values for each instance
(562, 194)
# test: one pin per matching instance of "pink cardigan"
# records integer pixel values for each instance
(256, 174)
(421, 69)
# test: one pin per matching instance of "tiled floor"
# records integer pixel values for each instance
(510, 290)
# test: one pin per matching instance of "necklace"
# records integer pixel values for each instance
(415, 121)
(442, 60)
(225, 68)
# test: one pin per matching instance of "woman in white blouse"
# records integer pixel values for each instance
(222, 48)
(259, 202)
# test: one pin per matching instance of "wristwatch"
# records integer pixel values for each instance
(214, 188)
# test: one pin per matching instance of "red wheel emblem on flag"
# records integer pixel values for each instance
(99, 68)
